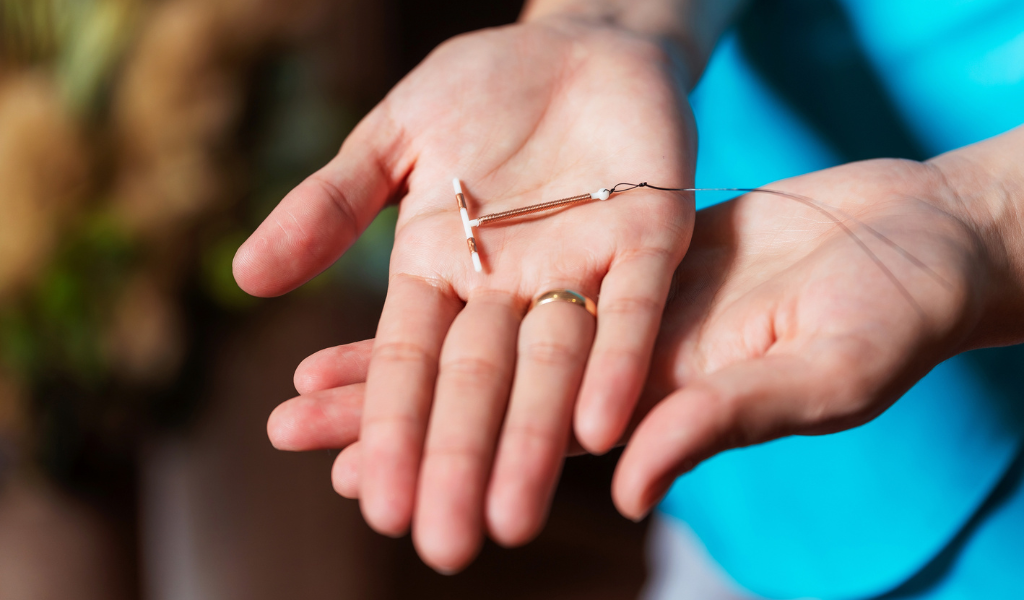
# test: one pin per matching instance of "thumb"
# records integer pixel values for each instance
(745, 403)
(325, 214)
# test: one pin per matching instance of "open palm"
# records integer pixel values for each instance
(459, 380)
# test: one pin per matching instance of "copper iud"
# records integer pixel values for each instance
(468, 224)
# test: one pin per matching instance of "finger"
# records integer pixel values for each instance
(554, 342)
(472, 390)
(324, 215)
(334, 367)
(399, 390)
(743, 404)
(322, 420)
(628, 315)
(345, 472)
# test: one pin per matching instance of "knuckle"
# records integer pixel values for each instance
(402, 352)
(392, 421)
(651, 255)
(632, 357)
(460, 450)
(529, 434)
(339, 201)
(471, 368)
(640, 306)
(494, 297)
(550, 353)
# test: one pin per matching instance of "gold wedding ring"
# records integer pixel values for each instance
(565, 296)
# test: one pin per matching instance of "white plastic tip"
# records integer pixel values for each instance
(474, 223)
(476, 263)
(601, 194)
(457, 185)
(466, 223)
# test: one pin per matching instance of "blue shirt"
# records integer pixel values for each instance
(925, 499)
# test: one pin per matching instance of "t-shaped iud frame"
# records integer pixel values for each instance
(468, 225)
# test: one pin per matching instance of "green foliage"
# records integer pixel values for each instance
(55, 335)
(80, 40)
(58, 326)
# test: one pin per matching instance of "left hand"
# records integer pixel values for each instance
(452, 442)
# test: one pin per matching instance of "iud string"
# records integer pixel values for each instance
(605, 193)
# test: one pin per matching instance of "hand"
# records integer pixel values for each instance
(782, 325)
(522, 114)
(785, 325)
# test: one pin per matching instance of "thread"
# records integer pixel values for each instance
(825, 210)
(829, 211)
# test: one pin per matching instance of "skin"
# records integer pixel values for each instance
(784, 325)
(774, 304)
(461, 432)
(461, 383)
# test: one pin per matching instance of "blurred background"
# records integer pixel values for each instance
(140, 142)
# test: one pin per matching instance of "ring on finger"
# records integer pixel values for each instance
(565, 296)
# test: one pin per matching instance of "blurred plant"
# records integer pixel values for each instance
(32, 30)
(44, 167)
(80, 40)
(139, 141)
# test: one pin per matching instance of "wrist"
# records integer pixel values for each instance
(686, 29)
(985, 187)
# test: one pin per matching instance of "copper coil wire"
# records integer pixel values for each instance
(526, 210)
